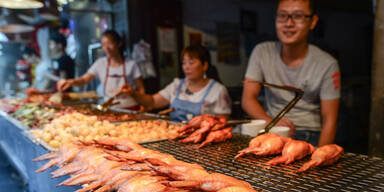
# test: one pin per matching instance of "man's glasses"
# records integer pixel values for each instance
(297, 18)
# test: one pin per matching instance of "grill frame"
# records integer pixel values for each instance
(353, 172)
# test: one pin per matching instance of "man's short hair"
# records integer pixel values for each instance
(59, 39)
(312, 5)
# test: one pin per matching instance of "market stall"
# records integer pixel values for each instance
(22, 137)
(353, 172)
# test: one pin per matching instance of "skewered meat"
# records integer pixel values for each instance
(141, 154)
(205, 129)
(115, 180)
(211, 182)
(66, 154)
(217, 136)
(266, 144)
(181, 171)
(124, 166)
(198, 135)
(325, 155)
(195, 123)
(144, 183)
(120, 144)
(293, 150)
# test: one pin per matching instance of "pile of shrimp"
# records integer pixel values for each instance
(112, 164)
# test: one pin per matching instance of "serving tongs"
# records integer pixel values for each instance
(107, 104)
(143, 115)
(152, 116)
(229, 123)
(298, 95)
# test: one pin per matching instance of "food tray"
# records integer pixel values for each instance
(28, 133)
(353, 172)
(141, 115)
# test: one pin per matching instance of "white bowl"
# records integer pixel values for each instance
(280, 130)
(252, 128)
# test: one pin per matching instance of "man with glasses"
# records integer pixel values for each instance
(292, 61)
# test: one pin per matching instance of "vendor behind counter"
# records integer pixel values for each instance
(114, 71)
(200, 92)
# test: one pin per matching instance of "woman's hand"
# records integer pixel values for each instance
(64, 84)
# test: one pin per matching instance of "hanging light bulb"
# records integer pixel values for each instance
(11, 23)
(21, 4)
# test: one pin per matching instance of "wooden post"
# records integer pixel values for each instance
(376, 137)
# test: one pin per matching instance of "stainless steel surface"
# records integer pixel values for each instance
(142, 115)
(152, 116)
(20, 149)
(25, 131)
(107, 104)
(352, 172)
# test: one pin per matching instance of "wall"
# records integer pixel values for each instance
(120, 19)
(202, 16)
(145, 17)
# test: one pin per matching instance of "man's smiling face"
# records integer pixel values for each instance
(294, 20)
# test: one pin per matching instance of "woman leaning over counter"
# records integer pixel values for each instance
(113, 71)
(200, 92)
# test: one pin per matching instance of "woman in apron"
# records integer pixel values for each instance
(114, 72)
(200, 92)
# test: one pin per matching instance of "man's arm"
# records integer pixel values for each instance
(253, 108)
(249, 101)
(329, 113)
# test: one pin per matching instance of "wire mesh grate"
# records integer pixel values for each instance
(353, 172)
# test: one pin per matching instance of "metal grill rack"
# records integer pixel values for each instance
(353, 172)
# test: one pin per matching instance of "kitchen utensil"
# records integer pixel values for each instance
(230, 123)
(142, 115)
(253, 128)
(105, 105)
(279, 130)
(298, 95)
(82, 95)
(166, 111)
